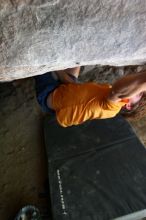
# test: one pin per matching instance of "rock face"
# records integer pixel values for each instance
(42, 35)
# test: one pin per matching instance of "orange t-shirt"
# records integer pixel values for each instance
(76, 103)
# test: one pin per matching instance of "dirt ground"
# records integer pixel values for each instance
(23, 162)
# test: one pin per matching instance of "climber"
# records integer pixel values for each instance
(73, 103)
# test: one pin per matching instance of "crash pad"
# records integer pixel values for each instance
(97, 170)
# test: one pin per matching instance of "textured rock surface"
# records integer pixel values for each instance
(108, 74)
(41, 35)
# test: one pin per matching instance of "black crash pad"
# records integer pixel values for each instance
(97, 171)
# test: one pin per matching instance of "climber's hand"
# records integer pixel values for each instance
(128, 86)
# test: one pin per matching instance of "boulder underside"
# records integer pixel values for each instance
(37, 36)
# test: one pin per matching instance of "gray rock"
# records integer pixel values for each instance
(42, 35)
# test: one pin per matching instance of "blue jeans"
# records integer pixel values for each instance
(44, 85)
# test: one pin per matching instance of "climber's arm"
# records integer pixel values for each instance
(68, 75)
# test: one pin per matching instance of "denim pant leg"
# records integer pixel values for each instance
(44, 85)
